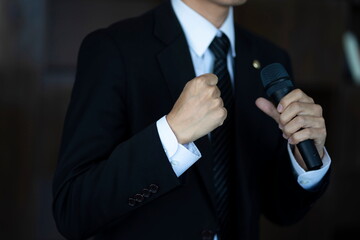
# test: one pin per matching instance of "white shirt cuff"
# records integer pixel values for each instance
(310, 179)
(181, 157)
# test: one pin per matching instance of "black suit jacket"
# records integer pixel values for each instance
(113, 179)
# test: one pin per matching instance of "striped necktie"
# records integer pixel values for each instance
(222, 138)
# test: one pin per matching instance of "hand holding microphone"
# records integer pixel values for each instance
(298, 116)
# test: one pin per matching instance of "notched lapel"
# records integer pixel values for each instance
(176, 66)
(175, 59)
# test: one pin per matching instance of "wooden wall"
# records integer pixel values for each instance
(39, 42)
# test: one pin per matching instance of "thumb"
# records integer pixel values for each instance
(267, 107)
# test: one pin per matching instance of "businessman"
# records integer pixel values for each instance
(168, 134)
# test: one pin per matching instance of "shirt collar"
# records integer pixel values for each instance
(199, 32)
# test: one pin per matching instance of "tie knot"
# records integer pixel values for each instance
(220, 46)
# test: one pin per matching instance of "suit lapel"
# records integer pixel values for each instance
(245, 74)
(177, 67)
(174, 59)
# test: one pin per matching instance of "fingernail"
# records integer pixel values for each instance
(290, 141)
(284, 136)
(280, 127)
(279, 108)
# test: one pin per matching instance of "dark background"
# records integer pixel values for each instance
(39, 42)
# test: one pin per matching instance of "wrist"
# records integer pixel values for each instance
(321, 153)
(170, 121)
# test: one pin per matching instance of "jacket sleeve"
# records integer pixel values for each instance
(103, 171)
(284, 201)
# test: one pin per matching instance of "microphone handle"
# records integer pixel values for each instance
(307, 148)
(310, 154)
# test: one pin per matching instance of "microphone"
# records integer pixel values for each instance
(277, 84)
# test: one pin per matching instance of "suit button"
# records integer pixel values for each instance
(132, 202)
(154, 188)
(207, 235)
(139, 198)
(146, 192)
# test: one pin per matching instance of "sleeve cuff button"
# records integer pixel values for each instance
(304, 182)
(153, 188)
(132, 202)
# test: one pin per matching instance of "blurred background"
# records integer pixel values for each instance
(39, 42)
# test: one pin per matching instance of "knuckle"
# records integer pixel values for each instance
(222, 113)
(319, 109)
(218, 90)
(292, 140)
(298, 92)
(297, 137)
(300, 120)
(307, 132)
(295, 106)
(221, 102)
(217, 102)
(285, 136)
(286, 130)
(283, 119)
(213, 76)
(211, 90)
(323, 132)
(222, 119)
(322, 122)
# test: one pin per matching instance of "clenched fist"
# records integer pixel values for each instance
(198, 110)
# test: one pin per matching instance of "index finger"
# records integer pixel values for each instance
(295, 95)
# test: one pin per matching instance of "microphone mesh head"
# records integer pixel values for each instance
(272, 73)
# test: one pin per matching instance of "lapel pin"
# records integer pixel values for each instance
(256, 64)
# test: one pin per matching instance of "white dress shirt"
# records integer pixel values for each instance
(199, 34)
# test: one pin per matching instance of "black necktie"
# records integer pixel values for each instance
(222, 138)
